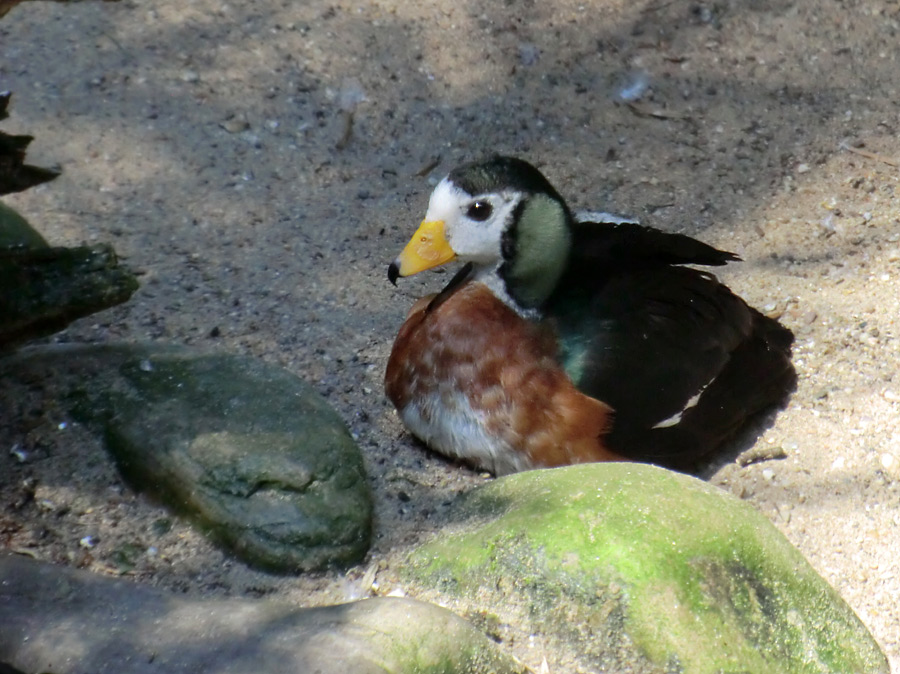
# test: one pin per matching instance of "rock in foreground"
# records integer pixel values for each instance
(72, 622)
(630, 567)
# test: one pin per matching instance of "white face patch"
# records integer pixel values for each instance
(471, 240)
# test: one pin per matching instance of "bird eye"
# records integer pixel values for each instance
(480, 210)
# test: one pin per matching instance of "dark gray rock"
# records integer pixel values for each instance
(247, 450)
(15, 174)
(73, 622)
(15, 232)
(42, 290)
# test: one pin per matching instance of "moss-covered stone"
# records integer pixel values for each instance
(16, 232)
(42, 290)
(634, 566)
(247, 450)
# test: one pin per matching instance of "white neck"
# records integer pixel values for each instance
(490, 276)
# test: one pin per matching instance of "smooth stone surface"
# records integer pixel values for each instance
(245, 449)
(73, 622)
(634, 568)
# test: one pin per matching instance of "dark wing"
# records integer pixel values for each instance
(681, 359)
(629, 244)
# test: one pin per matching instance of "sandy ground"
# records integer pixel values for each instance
(260, 163)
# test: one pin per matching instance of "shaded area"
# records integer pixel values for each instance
(73, 622)
(244, 449)
(43, 290)
(15, 174)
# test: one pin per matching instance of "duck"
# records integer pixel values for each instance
(568, 338)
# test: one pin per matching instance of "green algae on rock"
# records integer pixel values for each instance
(43, 289)
(633, 566)
(248, 450)
(16, 232)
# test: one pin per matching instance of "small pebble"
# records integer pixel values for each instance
(235, 124)
(634, 87)
(190, 76)
(760, 454)
(887, 460)
(803, 168)
(529, 54)
(784, 512)
(146, 366)
(768, 474)
(773, 310)
(351, 94)
(254, 140)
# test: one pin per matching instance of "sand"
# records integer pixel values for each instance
(260, 163)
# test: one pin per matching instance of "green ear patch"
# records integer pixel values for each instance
(542, 243)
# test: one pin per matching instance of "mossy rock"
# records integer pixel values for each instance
(635, 568)
(246, 450)
(44, 289)
(16, 232)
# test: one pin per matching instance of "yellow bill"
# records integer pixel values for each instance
(426, 249)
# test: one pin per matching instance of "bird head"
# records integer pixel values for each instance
(502, 216)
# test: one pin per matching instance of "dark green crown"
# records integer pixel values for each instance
(498, 173)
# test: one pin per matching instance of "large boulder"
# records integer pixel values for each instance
(630, 567)
(246, 450)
